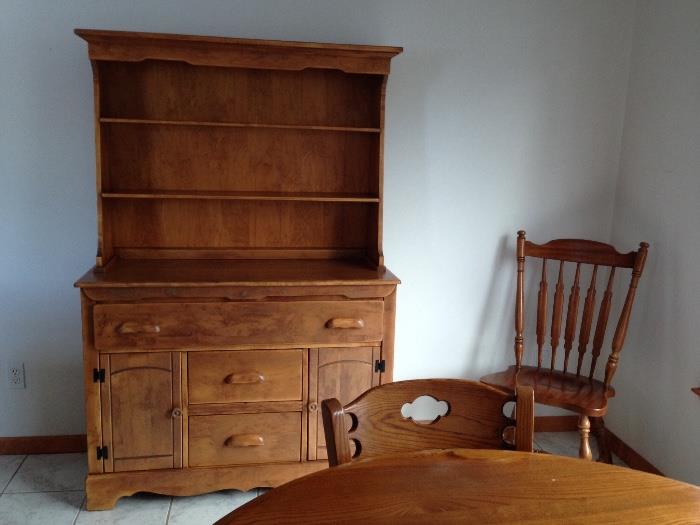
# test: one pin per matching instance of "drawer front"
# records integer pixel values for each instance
(209, 325)
(244, 375)
(244, 438)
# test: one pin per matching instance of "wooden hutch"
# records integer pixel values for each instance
(239, 278)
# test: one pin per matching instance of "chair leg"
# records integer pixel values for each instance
(584, 429)
(601, 437)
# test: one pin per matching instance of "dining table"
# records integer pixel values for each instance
(475, 486)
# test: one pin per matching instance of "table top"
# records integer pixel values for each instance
(475, 486)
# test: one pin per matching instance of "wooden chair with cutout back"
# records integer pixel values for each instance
(578, 392)
(379, 422)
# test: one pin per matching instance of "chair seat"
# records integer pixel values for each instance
(554, 388)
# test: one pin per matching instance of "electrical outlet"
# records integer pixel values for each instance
(15, 375)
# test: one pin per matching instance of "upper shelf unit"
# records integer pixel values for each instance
(235, 147)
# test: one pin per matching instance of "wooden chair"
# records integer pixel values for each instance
(578, 392)
(374, 424)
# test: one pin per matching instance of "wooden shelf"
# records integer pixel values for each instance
(243, 196)
(247, 272)
(111, 120)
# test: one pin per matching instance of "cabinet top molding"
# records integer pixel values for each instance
(130, 46)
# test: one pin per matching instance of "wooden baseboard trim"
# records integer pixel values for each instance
(630, 456)
(43, 444)
(556, 423)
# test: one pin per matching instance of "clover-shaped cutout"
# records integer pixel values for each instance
(425, 410)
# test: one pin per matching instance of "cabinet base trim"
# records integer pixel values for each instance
(103, 490)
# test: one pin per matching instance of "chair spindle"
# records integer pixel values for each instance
(557, 310)
(586, 320)
(602, 323)
(520, 300)
(541, 313)
(584, 429)
(571, 314)
(622, 324)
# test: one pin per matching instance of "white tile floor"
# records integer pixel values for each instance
(48, 488)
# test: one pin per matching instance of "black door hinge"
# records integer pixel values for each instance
(380, 365)
(102, 453)
(98, 375)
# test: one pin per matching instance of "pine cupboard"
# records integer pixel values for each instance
(239, 278)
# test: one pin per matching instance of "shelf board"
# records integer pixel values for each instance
(243, 196)
(111, 120)
(252, 271)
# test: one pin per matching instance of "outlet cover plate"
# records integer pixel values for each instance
(15, 375)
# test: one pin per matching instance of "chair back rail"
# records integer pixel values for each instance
(373, 424)
(579, 252)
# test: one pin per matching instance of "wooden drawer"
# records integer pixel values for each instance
(244, 375)
(244, 438)
(210, 325)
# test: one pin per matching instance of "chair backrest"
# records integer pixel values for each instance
(577, 251)
(375, 423)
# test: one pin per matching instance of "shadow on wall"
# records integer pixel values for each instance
(496, 314)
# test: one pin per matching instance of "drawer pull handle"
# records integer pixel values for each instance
(345, 322)
(244, 378)
(244, 440)
(138, 328)
(176, 413)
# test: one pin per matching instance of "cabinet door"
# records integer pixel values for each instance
(141, 411)
(342, 373)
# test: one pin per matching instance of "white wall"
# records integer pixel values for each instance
(501, 115)
(658, 200)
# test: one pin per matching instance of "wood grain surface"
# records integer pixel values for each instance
(380, 422)
(475, 486)
(180, 273)
(212, 325)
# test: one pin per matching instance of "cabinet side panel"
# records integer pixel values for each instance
(104, 242)
(184, 392)
(106, 400)
(93, 411)
(376, 356)
(313, 404)
(304, 404)
(388, 341)
(177, 409)
(379, 221)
